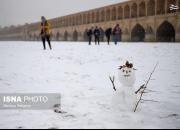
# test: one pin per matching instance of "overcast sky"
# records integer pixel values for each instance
(26, 11)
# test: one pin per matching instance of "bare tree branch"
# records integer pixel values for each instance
(142, 86)
(145, 86)
(112, 81)
(145, 100)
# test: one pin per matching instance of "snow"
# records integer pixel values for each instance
(80, 73)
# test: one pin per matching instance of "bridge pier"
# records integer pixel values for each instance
(150, 38)
(178, 37)
(126, 38)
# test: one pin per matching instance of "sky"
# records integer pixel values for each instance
(19, 12)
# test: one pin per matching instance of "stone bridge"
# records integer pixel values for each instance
(140, 20)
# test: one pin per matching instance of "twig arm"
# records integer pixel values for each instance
(142, 86)
(145, 86)
(112, 81)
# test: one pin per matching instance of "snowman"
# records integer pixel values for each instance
(125, 97)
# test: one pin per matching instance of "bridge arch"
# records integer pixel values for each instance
(30, 36)
(138, 33)
(65, 22)
(114, 13)
(160, 7)
(108, 14)
(179, 5)
(151, 8)
(126, 12)
(120, 12)
(134, 10)
(97, 16)
(75, 35)
(52, 35)
(93, 18)
(80, 19)
(34, 37)
(102, 16)
(85, 35)
(57, 36)
(66, 36)
(72, 21)
(88, 18)
(166, 32)
(69, 21)
(77, 19)
(142, 9)
(84, 19)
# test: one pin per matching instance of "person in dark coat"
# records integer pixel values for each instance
(45, 32)
(97, 35)
(108, 33)
(89, 34)
(101, 34)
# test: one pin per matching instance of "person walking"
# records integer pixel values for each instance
(97, 35)
(117, 34)
(89, 34)
(101, 34)
(108, 34)
(45, 32)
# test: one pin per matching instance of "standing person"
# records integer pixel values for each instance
(45, 32)
(97, 35)
(117, 34)
(101, 34)
(108, 33)
(89, 34)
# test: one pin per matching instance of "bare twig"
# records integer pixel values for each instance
(112, 81)
(152, 91)
(142, 86)
(149, 100)
(145, 87)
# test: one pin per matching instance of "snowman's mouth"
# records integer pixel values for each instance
(127, 75)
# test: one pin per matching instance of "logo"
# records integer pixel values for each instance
(173, 7)
(29, 101)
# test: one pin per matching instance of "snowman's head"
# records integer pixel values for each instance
(127, 74)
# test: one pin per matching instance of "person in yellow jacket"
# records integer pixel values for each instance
(45, 32)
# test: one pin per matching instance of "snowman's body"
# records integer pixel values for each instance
(125, 96)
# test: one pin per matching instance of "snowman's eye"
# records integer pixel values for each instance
(123, 70)
(130, 71)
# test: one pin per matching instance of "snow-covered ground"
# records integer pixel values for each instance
(80, 73)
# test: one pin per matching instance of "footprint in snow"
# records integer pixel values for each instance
(59, 111)
(170, 116)
(64, 114)
(69, 116)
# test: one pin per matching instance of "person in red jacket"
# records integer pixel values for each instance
(117, 34)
